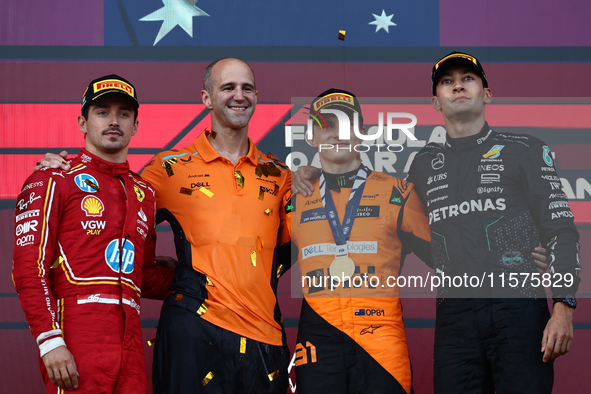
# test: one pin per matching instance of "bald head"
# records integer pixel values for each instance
(220, 63)
(230, 94)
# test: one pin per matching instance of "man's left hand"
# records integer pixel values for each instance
(558, 334)
(541, 258)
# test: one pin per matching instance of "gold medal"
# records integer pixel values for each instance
(342, 267)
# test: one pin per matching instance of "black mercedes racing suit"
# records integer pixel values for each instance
(491, 198)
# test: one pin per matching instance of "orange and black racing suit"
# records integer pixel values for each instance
(351, 337)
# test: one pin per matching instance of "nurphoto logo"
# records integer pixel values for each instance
(345, 128)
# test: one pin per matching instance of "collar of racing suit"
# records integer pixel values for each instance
(465, 143)
(337, 181)
(117, 169)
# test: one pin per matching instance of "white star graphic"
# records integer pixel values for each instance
(175, 12)
(383, 22)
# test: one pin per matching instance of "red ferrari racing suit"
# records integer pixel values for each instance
(77, 285)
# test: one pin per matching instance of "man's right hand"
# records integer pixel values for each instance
(165, 262)
(302, 180)
(52, 160)
(61, 368)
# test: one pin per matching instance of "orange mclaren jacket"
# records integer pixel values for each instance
(226, 221)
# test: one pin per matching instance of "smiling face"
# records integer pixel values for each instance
(233, 98)
(109, 127)
(460, 94)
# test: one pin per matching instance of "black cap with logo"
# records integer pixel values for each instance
(109, 84)
(338, 99)
(456, 58)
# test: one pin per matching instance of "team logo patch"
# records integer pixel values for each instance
(438, 162)
(91, 186)
(92, 205)
(290, 206)
(139, 193)
(494, 152)
(396, 196)
(126, 258)
(547, 157)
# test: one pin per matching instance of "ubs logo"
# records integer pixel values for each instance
(436, 178)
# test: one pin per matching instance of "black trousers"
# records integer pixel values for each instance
(192, 355)
(483, 346)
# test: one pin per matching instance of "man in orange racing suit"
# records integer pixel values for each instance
(351, 336)
(84, 248)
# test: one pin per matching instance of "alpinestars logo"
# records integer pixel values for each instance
(369, 330)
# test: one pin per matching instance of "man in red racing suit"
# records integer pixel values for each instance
(83, 239)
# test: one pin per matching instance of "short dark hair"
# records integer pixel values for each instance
(207, 75)
(87, 108)
(456, 58)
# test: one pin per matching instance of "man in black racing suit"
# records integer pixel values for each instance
(491, 198)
